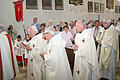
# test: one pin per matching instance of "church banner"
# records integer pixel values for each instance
(18, 10)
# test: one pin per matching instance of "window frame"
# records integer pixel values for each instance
(59, 8)
(32, 7)
(90, 9)
(47, 6)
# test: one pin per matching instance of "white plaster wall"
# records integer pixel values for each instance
(70, 12)
(7, 15)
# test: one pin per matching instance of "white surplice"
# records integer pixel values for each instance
(86, 60)
(57, 65)
(26, 52)
(18, 47)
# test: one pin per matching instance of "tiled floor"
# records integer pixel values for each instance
(118, 73)
(23, 75)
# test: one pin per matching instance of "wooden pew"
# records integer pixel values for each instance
(71, 56)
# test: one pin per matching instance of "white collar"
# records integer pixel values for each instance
(51, 26)
(35, 24)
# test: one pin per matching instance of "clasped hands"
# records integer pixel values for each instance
(42, 55)
(75, 47)
(99, 42)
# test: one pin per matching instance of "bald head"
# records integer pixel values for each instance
(2, 28)
(80, 26)
(106, 23)
(50, 22)
(32, 31)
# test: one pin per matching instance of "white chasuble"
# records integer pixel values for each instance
(57, 65)
(86, 60)
(35, 62)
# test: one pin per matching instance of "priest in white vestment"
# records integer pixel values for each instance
(9, 62)
(109, 53)
(86, 60)
(35, 61)
(56, 61)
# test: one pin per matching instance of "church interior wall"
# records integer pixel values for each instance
(70, 13)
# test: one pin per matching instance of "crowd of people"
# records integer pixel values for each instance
(95, 45)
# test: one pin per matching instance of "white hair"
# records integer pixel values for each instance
(50, 20)
(33, 28)
(108, 21)
(50, 32)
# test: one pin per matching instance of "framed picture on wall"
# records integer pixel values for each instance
(96, 7)
(76, 2)
(80, 1)
(32, 4)
(102, 7)
(71, 1)
(90, 6)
